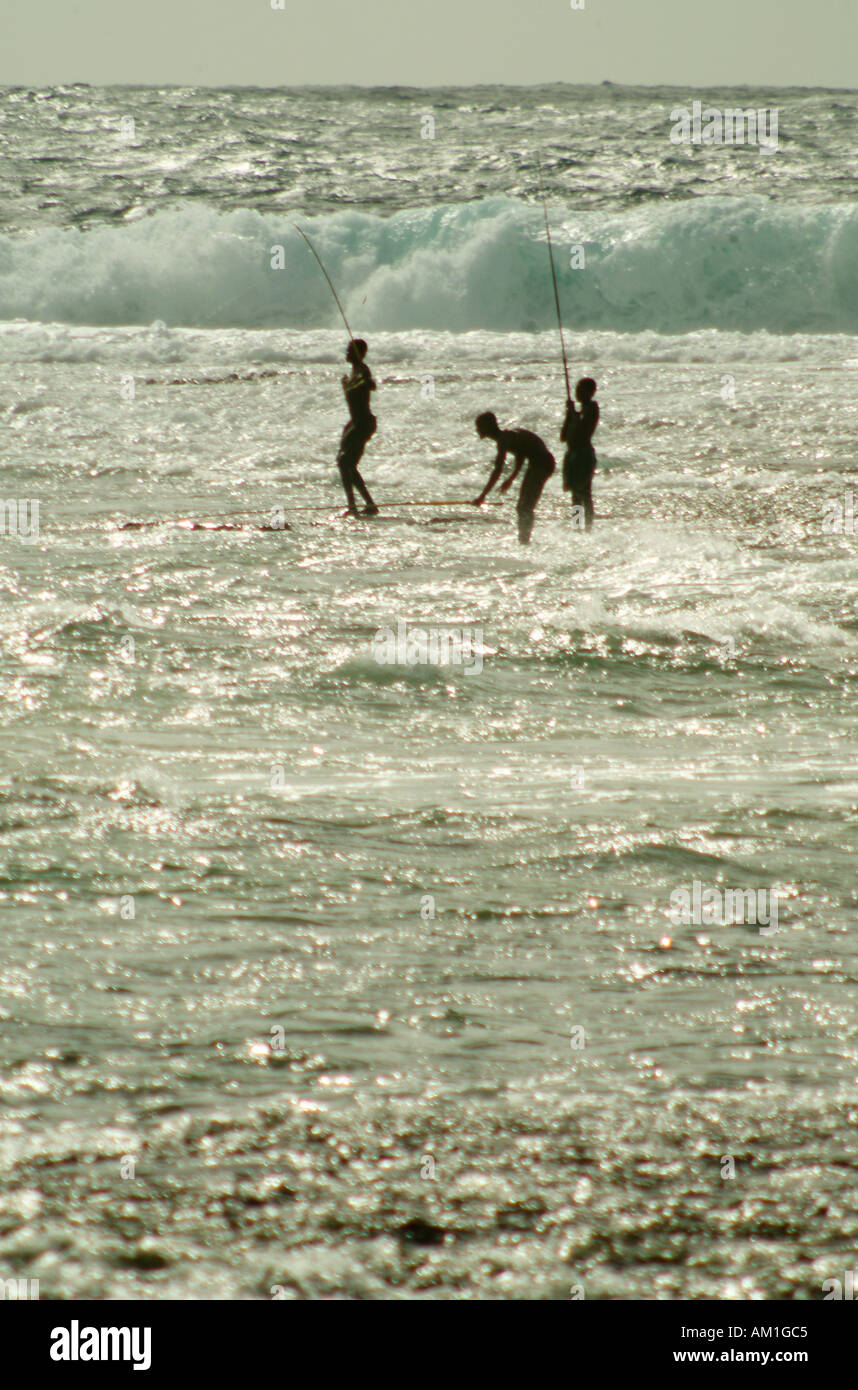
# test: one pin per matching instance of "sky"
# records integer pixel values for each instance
(687, 43)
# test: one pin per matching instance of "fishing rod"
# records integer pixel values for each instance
(327, 277)
(318, 507)
(554, 278)
(392, 502)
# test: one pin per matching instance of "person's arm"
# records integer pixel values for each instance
(508, 482)
(493, 477)
(570, 412)
(360, 379)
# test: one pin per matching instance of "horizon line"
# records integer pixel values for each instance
(423, 87)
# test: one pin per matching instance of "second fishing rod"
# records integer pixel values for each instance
(553, 277)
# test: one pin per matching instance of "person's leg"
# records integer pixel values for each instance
(535, 477)
(525, 506)
(582, 501)
(568, 472)
(345, 463)
(577, 479)
(588, 501)
(361, 485)
(361, 438)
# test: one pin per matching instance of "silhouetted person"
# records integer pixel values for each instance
(579, 463)
(361, 427)
(525, 447)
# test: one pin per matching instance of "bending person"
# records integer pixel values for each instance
(525, 447)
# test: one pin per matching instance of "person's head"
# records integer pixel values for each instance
(586, 389)
(487, 425)
(356, 351)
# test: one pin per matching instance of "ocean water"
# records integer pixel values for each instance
(328, 977)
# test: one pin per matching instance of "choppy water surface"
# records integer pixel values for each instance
(330, 149)
(328, 977)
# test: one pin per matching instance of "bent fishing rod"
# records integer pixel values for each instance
(327, 277)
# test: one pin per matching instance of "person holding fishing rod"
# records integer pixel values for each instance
(357, 387)
(360, 428)
(579, 463)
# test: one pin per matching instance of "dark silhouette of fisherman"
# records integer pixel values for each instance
(579, 463)
(361, 427)
(525, 447)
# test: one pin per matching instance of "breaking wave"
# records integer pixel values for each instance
(743, 264)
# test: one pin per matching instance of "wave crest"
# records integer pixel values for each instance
(728, 263)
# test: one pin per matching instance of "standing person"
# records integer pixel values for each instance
(525, 447)
(361, 427)
(579, 464)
